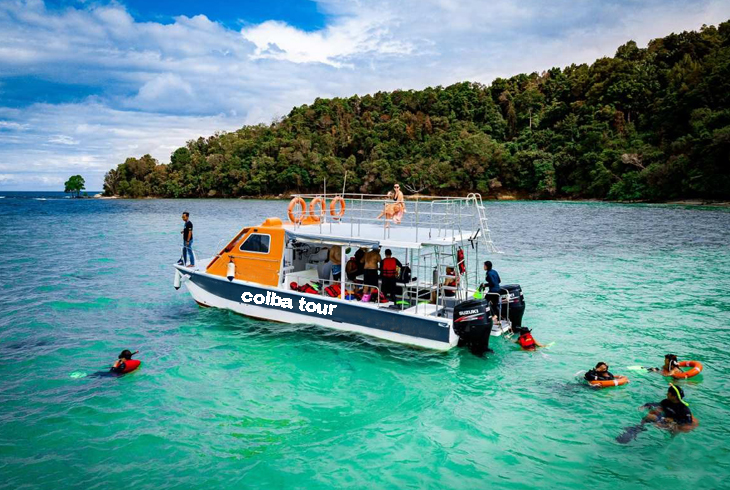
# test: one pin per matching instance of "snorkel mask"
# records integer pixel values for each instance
(679, 394)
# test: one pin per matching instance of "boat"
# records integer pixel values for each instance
(281, 270)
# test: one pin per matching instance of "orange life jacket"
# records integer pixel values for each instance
(526, 341)
(333, 291)
(390, 267)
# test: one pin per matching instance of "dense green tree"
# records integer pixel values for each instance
(649, 123)
(74, 185)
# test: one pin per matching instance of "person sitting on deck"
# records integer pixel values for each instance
(400, 203)
(371, 262)
(451, 282)
(389, 269)
(599, 373)
(389, 210)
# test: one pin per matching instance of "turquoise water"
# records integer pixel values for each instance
(223, 401)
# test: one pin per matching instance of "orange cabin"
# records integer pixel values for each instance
(256, 252)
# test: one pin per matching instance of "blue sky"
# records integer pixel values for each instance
(84, 84)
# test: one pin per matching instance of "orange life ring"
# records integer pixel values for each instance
(605, 383)
(292, 205)
(696, 369)
(333, 208)
(316, 217)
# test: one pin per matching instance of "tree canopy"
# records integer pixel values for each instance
(649, 123)
(74, 185)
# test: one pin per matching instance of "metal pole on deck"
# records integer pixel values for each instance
(343, 263)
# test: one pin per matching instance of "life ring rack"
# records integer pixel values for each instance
(301, 213)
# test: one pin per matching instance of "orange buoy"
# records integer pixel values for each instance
(333, 208)
(696, 369)
(297, 218)
(605, 383)
(316, 216)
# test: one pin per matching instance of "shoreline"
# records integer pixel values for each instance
(502, 198)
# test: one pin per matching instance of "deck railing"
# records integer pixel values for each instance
(430, 216)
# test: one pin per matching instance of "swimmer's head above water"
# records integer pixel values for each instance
(675, 394)
(126, 354)
(670, 362)
(601, 367)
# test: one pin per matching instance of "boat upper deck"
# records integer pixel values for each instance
(370, 219)
(370, 234)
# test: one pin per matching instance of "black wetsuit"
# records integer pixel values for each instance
(679, 412)
(594, 375)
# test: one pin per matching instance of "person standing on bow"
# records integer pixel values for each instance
(187, 233)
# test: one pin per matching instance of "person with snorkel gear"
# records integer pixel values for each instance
(671, 366)
(672, 413)
(599, 373)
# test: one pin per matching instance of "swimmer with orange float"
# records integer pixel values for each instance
(673, 367)
(526, 340)
(672, 414)
(601, 377)
(125, 364)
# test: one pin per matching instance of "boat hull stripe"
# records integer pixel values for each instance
(375, 318)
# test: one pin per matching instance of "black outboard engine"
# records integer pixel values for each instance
(512, 294)
(473, 325)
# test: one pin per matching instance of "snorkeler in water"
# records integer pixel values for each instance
(526, 340)
(120, 366)
(671, 366)
(672, 414)
(599, 373)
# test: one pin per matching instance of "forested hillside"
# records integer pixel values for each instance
(650, 123)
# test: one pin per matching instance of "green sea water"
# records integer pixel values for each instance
(223, 401)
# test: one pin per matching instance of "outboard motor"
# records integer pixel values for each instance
(512, 294)
(473, 325)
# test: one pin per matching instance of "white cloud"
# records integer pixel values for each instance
(157, 85)
(352, 37)
(62, 139)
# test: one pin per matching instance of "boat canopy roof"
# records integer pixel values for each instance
(371, 235)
